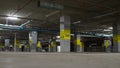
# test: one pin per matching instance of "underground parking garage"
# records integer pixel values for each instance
(72, 33)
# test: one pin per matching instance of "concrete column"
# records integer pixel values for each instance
(53, 44)
(65, 33)
(15, 43)
(107, 44)
(7, 44)
(33, 40)
(49, 47)
(58, 48)
(39, 47)
(116, 36)
(79, 44)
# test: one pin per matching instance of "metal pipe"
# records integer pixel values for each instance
(106, 14)
(25, 23)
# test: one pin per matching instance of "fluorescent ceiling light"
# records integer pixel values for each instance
(107, 30)
(77, 22)
(57, 36)
(13, 18)
(110, 28)
(72, 34)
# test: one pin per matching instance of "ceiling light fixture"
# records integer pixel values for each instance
(57, 36)
(110, 28)
(107, 30)
(13, 18)
(76, 22)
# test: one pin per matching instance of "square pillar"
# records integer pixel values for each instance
(39, 47)
(65, 33)
(116, 36)
(53, 46)
(79, 44)
(107, 44)
(33, 40)
(7, 44)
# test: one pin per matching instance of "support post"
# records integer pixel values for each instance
(65, 33)
(116, 35)
(33, 40)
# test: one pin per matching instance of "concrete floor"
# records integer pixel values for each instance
(59, 60)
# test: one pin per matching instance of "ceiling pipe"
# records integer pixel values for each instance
(53, 13)
(5, 26)
(107, 14)
(25, 23)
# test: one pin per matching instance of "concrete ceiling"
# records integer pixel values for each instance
(92, 14)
